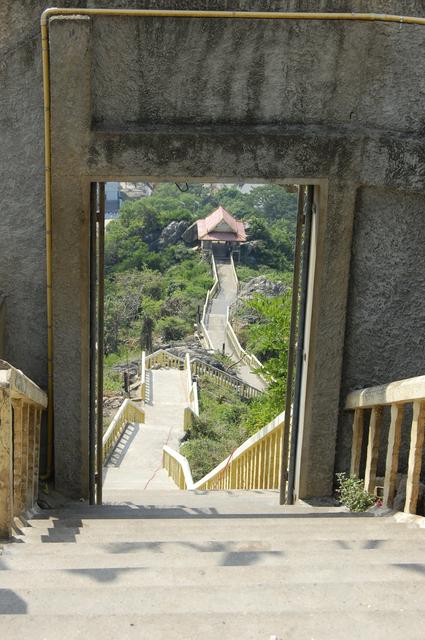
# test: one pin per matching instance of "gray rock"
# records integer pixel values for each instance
(239, 314)
(172, 233)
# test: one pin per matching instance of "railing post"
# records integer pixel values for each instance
(356, 447)
(6, 465)
(18, 441)
(31, 456)
(415, 456)
(391, 466)
(373, 448)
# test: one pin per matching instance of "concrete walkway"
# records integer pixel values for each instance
(216, 322)
(136, 463)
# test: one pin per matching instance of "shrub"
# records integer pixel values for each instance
(352, 494)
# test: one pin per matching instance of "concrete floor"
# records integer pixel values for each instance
(136, 463)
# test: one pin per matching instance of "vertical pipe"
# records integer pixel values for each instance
(292, 346)
(49, 257)
(301, 337)
(100, 338)
(92, 358)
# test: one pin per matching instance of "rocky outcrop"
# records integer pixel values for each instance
(240, 315)
(172, 233)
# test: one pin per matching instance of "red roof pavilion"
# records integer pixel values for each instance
(221, 226)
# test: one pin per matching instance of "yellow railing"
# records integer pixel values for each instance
(163, 358)
(210, 295)
(21, 406)
(143, 377)
(247, 358)
(177, 467)
(224, 379)
(395, 395)
(128, 412)
(192, 408)
(253, 465)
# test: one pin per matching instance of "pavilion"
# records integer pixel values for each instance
(219, 232)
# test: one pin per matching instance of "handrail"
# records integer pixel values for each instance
(234, 272)
(395, 395)
(192, 408)
(21, 406)
(143, 377)
(128, 412)
(248, 358)
(178, 468)
(253, 465)
(210, 294)
(224, 379)
(162, 357)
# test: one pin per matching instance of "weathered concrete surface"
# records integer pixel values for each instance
(208, 100)
(385, 331)
(213, 565)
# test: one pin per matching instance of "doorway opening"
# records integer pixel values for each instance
(198, 298)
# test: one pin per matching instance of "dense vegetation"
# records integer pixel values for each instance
(154, 290)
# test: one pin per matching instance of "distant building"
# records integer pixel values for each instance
(112, 199)
(219, 232)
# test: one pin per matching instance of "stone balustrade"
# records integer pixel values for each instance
(396, 395)
(21, 406)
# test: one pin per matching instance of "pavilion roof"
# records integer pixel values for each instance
(231, 229)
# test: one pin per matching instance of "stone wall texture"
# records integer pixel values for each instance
(207, 98)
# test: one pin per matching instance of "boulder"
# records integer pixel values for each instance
(239, 314)
(172, 233)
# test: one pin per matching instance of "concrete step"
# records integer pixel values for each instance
(212, 576)
(202, 524)
(85, 556)
(276, 536)
(373, 624)
(248, 599)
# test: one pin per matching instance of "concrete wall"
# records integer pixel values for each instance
(136, 98)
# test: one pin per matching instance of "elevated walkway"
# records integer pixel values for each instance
(217, 318)
(136, 462)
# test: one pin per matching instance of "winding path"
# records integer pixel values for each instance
(216, 322)
(136, 463)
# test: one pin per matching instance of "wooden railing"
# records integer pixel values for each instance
(253, 465)
(234, 273)
(224, 379)
(128, 412)
(21, 406)
(143, 377)
(177, 467)
(395, 395)
(247, 358)
(163, 358)
(192, 408)
(210, 295)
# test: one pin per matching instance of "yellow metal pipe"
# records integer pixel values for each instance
(148, 13)
(48, 223)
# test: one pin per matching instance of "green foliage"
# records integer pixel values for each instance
(352, 493)
(268, 339)
(218, 431)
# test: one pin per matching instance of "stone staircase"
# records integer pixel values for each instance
(212, 565)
